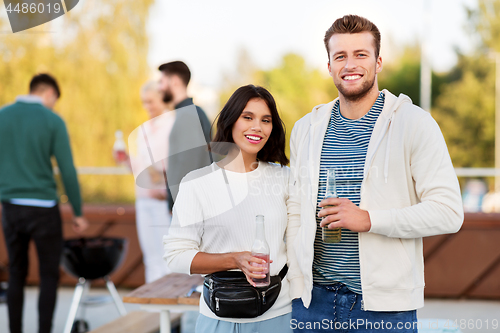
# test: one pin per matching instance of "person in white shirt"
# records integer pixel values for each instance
(152, 214)
(213, 225)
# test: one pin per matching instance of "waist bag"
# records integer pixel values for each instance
(228, 294)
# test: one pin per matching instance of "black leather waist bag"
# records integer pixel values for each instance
(228, 294)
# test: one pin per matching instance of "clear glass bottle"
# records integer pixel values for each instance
(260, 249)
(331, 235)
(119, 148)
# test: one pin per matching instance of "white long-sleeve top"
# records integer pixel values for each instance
(215, 212)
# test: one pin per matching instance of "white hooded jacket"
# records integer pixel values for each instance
(410, 191)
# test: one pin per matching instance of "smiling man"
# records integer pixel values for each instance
(395, 184)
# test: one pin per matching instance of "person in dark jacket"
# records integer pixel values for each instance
(190, 134)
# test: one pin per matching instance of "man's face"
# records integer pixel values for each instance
(165, 87)
(353, 65)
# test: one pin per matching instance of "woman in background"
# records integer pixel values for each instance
(152, 215)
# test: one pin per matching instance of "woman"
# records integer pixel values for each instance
(213, 225)
(152, 215)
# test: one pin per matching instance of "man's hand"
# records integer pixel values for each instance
(80, 224)
(344, 214)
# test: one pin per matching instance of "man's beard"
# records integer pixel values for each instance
(354, 96)
(168, 96)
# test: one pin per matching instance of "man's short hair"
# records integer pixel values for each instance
(178, 68)
(40, 80)
(353, 24)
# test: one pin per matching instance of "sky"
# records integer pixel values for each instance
(208, 35)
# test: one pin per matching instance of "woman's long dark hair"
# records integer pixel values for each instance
(274, 149)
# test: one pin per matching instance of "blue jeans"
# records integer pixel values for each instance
(335, 307)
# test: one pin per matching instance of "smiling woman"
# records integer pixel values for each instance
(214, 219)
(250, 120)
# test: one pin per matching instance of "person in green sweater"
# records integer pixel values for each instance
(30, 135)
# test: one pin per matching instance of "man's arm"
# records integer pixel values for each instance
(293, 208)
(205, 124)
(62, 153)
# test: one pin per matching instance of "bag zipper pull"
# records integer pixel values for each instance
(211, 284)
(264, 297)
(216, 304)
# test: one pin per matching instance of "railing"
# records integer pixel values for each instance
(465, 264)
(477, 172)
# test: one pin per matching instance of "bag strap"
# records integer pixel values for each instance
(283, 272)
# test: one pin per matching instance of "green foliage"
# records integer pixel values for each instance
(403, 75)
(98, 55)
(486, 22)
(465, 109)
(466, 113)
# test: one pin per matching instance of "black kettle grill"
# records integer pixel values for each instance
(90, 259)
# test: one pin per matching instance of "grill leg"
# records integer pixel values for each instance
(75, 303)
(85, 294)
(116, 298)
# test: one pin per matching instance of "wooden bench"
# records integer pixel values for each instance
(138, 322)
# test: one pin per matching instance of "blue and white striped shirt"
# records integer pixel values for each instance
(344, 148)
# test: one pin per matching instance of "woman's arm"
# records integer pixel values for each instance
(182, 244)
(206, 263)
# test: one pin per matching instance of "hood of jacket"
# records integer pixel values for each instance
(392, 105)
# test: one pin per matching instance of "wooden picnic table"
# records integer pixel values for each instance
(165, 294)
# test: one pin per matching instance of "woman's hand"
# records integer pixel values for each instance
(207, 263)
(248, 265)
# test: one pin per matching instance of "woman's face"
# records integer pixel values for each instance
(253, 128)
(153, 103)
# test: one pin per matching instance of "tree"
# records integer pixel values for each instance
(465, 111)
(98, 55)
(402, 76)
(466, 108)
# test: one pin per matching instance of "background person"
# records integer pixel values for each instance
(213, 225)
(31, 134)
(184, 137)
(152, 214)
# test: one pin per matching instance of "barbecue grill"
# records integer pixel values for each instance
(89, 259)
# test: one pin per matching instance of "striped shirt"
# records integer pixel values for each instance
(344, 148)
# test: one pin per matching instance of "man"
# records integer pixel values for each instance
(190, 133)
(31, 134)
(395, 182)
